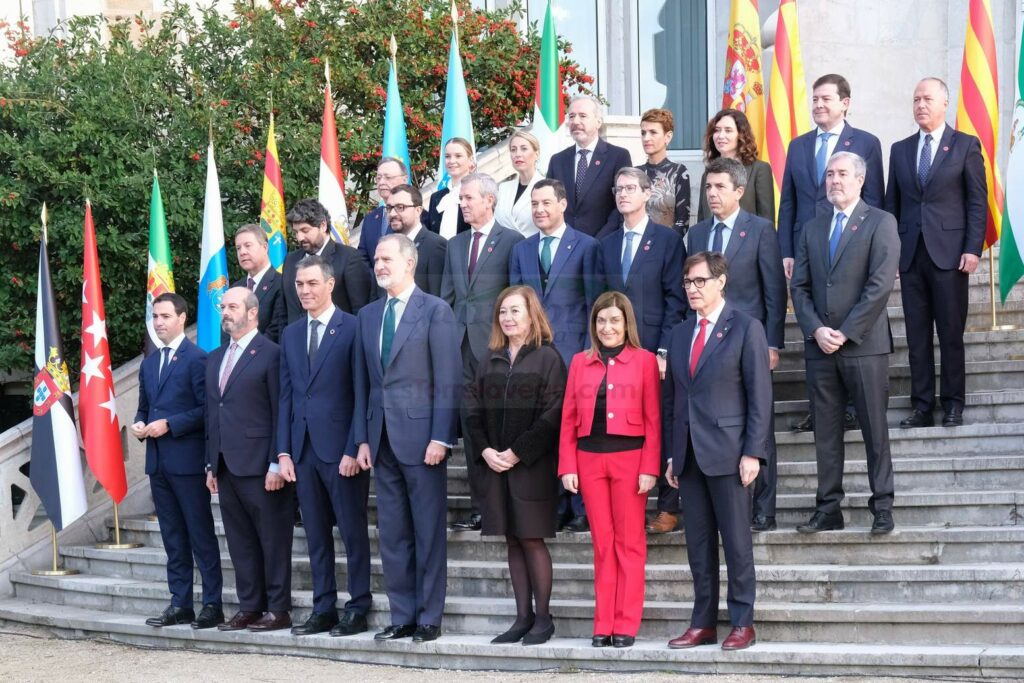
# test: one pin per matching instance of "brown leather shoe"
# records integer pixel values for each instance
(694, 637)
(741, 638)
(663, 523)
(271, 621)
(240, 621)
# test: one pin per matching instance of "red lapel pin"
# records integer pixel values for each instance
(719, 335)
(597, 162)
(853, 228)
(252, 352)
(743, 234)
(847, 143)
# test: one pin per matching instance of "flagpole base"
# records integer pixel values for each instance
(117, 546)
(151, 518)
(993, 328)
(55, 572)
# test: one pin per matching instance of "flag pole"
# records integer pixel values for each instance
(996, 327)
(117, 544)
(54, 570)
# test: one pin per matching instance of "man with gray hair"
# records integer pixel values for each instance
(253, 254)
(845, 269)
(587, 169)
(391, 172)
(476, 271)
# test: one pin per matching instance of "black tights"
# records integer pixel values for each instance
(529, 564)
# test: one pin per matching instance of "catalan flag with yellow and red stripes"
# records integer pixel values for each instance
(743, 87)
(977, 108)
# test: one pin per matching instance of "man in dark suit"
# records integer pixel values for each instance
(845, 270)
(405, 209)
(757, 286)
(717, 416)
(475, 273)
(391, 172)
(316, 450)
(938, 193)
(170, 420)
(242, 391)
(308, 222)
(409, 379)
(260, 278)
(644, 261)
(587, 170)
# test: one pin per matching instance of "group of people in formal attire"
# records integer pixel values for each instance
(556, 324)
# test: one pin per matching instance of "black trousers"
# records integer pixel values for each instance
(766, 484)
(469, 365)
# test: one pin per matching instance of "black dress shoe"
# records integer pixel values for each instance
(883, 523)
(763, 523)
(917, 419)
(516, 633)
(821, 522)
(172, 616)
(425, 633)
(623, 641)
(317, 623)
(539, 636)
(396, 632)
(601, 641)
(804, 425)
(578, 525)
(351, 623)
(209, 616)
(240, 621)
(470, 523)
(850, 422)
(953, 418)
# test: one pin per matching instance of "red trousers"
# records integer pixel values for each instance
(609, 483)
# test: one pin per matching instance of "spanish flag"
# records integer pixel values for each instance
(743, 88)
(272, 203)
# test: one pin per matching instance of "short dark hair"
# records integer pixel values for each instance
(737, 174)
(313, 261)
(557, 185)
(309, 211)
(414, 193)
(176, 300)
(842, 85)
(717, 264)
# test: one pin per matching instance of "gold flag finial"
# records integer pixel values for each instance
(394, 47)
(42, 216)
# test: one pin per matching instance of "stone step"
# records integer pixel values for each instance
(474, 652)
(991, 623)
(978, 290)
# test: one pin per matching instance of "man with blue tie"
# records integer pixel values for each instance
(391, 172)
(260, 278)
(409, 384)
(172, 397)
(315, 447)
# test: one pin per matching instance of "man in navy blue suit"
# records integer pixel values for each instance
(316, 451)
(242, 392)
(405, 212)
(260, 278)
(587, 170)
(644, 261)
(757, 286)
(391, 172)
(170, 419)
(409, 383)
(939, 194)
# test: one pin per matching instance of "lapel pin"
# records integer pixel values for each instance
(945, 148)
(332, 331)
(847, 143)
(743, 234)
(252, 352)
(719, 335)
(647, 247)
(568, 247)
(597, 162)
(265, 288)
(853, 228)
(490, 249)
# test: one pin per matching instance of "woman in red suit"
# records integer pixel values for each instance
(610, 450)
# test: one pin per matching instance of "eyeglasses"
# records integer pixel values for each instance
(382, 176)
(697, 282)
(625, 189)
(400, 208)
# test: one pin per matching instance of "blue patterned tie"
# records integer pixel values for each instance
(627, 256)
(837, 234)
(581, 171)
(821, 158)
(716, 240)
(924, 166)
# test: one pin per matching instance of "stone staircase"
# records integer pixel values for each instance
(942, 596)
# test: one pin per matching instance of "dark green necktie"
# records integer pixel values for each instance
(387, 334)
(545, 254)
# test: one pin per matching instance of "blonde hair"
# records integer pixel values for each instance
(529, 137)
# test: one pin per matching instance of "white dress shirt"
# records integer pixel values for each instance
(712, 319)
(936, 138)
(403, 301)
(832, 141)
(729, 222)
(258, 277)
(325, 320)
(590, 156)
(485, 232)
(637, 230)
(557, 234)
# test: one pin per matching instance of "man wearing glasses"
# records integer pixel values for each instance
(391, 172)
(404, 208)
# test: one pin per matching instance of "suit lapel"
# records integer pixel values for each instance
(371, 334)
(241, 362)
(410, 318)
(941, 152)
(718, 334)
(698, 235)
(738, 237)
(564, 251)
(485, 251)
(614, 274)
(531, 268)
(646, 245)
(687, 333)
(176, 357)
(266, 284)
(327, 338)
(854, 222)
(462, 257)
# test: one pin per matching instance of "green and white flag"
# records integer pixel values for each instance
(160, 277)
(1011, 264)
(549, 101)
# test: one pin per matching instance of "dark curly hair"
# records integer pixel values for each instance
(746, 146)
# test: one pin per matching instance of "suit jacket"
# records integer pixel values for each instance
(417, 397)
(725, 409)
(375, 224)
(241, 423)
(593, 212)
(851, 294)
(516, 214)
(950, 210)
(178, 397)
(756, 283)
(758, 195)
(273, 315)
(352, 286)
(433, 214)
(568, 291)
(655, 282)
(318, 401)
(472, 300)
(803, 196)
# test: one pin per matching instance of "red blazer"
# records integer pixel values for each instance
(634, 405)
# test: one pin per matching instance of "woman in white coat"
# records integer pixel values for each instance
(513, 208)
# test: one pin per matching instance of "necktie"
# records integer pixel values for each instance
(924, 165)
(698, 346)
(314, 342)
(581, 171)
(716, 241)
(387, 333)
(473, 251)
(627, 255)
(821, 158)
(837, 234)
(229, 365)
(545, 254)
(250, 283)
(165, 361)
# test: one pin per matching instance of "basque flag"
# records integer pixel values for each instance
(56, 469)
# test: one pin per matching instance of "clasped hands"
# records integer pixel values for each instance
(501, 461)
(154, 430)
(829, 340)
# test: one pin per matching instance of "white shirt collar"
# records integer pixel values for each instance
(713, 316)
(846, 212)
(486, 228)
(415, 231)
(730, 220)
(557, 234)
(404, 295)
(639, 228)
(836, 130)
(936, 135)
(590, 148)
(320, 251)
(324, 318)
(247, 339)
(258, 277)
(175, 343)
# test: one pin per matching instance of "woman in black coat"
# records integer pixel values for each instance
(513, 411)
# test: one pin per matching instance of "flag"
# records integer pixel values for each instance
(457, 121)
(213, 262)
(56, 469)
(1011, 264)
(743, 89)
(160, 277)
(549, 100)
(787, 96)
(97, 409)
(272, 203)
(332, 181)
(977, 108)
(396, 142)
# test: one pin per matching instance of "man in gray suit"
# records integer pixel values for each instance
(845, 270)
(476, 271)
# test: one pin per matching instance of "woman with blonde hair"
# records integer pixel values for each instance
(513, 209)
(444, 215)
